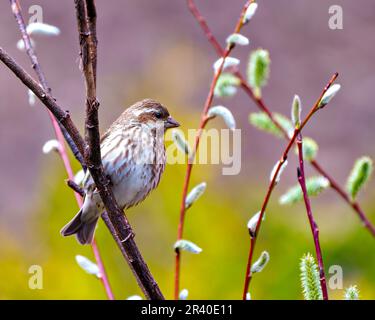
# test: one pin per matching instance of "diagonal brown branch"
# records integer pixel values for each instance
(60, 133)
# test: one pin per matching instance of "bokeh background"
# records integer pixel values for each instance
(155, 49)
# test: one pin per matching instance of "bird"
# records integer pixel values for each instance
(133, 158)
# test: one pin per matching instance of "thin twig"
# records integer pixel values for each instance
(75, 187)
(86, 20)
(60, 132)
(313, 225)
(58, 127)
(271, 186)
(262, 106)
(203, 122)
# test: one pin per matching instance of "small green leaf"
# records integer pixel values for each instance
(310, 278)
(258, 70)
(226, 85)
(314, 186)
(359, 175)
(351, 293)
(262, 121)
(309, 148)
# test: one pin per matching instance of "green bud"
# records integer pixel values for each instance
(296, 111)
(351, 293)
(359, 175)
(181, 143)
(258, 70)
(310, 149)
(262, 121)
(314, 186)
(310, 278)
(226, 85)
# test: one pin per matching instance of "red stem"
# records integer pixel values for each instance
(313, 225)
(203, 122)
(261, 105)
(271, 186)
(354, 204)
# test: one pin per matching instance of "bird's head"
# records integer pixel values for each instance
(151, 113)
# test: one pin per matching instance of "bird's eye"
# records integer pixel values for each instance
(158, 114)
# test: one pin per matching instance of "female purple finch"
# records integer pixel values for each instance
(133, 157)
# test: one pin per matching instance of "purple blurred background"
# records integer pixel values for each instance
(155, 49)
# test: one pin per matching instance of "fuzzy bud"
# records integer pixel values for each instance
(258, 70)
(310, 282)
(31, 97)
(44, 29)
(226, 85)
(51, 145)
(195, 194)
(283, 166)
(134, 297)
(187, 245)
(225, 114)
(228, 63)
(314, 186)
(359, 176)
(296, 111)
(309, 148)
(237, 39)
(252, 224)
(250, 12)
(329, 94)
(351, 293)
(180, 142)
(262, 121)
(88, 266)
(183, 294)
(259, 265)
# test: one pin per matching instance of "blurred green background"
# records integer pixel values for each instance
(154, 49)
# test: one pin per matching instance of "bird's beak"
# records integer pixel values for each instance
(171, 123)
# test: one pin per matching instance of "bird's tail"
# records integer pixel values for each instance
(84, 230)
